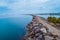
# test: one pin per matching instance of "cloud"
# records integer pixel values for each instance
(4, 9)
(27, 4)
(17, 7)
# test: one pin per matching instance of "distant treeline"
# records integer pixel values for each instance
(54, 19)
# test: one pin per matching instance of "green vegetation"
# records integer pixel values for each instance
(54, 20)
(58, 20)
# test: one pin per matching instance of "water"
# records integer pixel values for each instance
(13, 28)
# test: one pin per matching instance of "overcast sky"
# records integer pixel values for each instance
(10, 8)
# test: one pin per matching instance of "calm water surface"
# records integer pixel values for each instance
(13, 28)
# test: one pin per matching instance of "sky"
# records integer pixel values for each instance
(13, 8)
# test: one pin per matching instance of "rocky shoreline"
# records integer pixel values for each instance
(37, 31)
